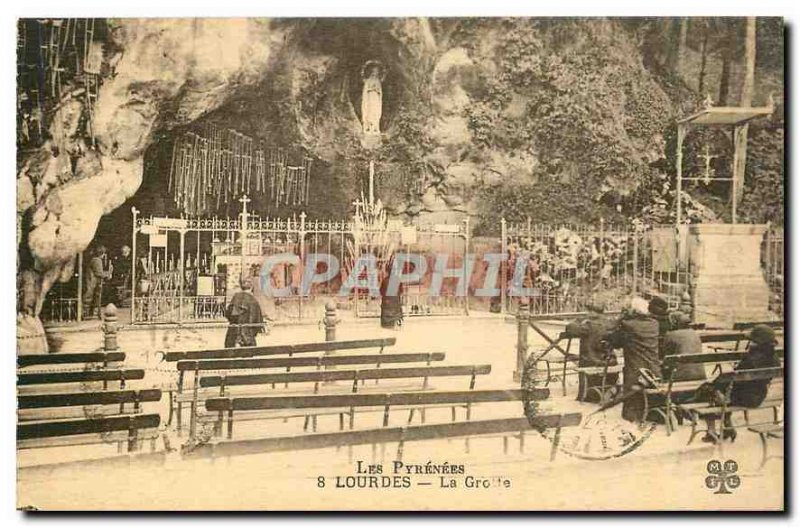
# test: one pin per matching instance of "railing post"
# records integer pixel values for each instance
(110, 328)
(134, 262)
(182, 270)
(330, 321)
(522, 337)
(504, 265)
(80, 286)
(466, 255)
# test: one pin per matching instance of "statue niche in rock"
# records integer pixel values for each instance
(372, 103)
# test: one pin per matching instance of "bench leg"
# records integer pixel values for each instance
(341, 421)
(505, 444)
(764, 446)
(564, 379)
(410, 416)
(306, 422)
(556, 441)
(171, 408)
(583, 382)
(179, 420)
(694, 431)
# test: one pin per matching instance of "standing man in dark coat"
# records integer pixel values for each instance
(97, 273)
(637, 335)
(593, 350)
(244, 315)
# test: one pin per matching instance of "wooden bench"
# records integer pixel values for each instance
(225, 382)
(62, 405)
(746, 326)
(767, 431)
(724, 337)
(103, 358)
(39, 380)
(282, 349)
(287, 363)
(228, 405)
(669, 387)
(705, 411)
(120, 430)
(400, 435)
(298, 362)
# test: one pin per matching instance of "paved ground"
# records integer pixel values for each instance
(662, 473)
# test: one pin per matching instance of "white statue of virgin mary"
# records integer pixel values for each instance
(371, 98)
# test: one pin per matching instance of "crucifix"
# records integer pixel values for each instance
(708, 158)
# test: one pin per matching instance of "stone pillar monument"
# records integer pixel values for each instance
(728, 284)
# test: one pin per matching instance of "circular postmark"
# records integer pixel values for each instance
(600, 434)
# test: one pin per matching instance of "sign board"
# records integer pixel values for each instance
(158, 240)
(205, 286)
(149, 229)
(408, 235)
(170, 223)
(446, 228)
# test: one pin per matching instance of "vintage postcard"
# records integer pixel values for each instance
(417, 264)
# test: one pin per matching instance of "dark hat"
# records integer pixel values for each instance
(658, 306)
(762, 334)
(680, 320)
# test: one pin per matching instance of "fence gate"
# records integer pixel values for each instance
(386, 239)
(188, 269)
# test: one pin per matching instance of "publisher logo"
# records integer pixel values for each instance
(722, 476)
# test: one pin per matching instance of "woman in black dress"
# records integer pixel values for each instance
(750, 394)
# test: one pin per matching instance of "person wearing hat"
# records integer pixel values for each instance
(659, 309)
(593, 350)
(97, 273)
(637, 335)
(760, 354)
(683, 340)
(749, 394)
(244, 317)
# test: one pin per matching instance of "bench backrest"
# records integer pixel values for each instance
(297, 362)
(27, 379)
(87, 398)
(672, 361)
(385, 435)
(24, 361)
(344, 375)
(221, 404)
(282, 349)
(724, 336)
(86, 426)
(775, 324)
(750, 375)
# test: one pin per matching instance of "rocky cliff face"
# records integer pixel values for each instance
(562, 113)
